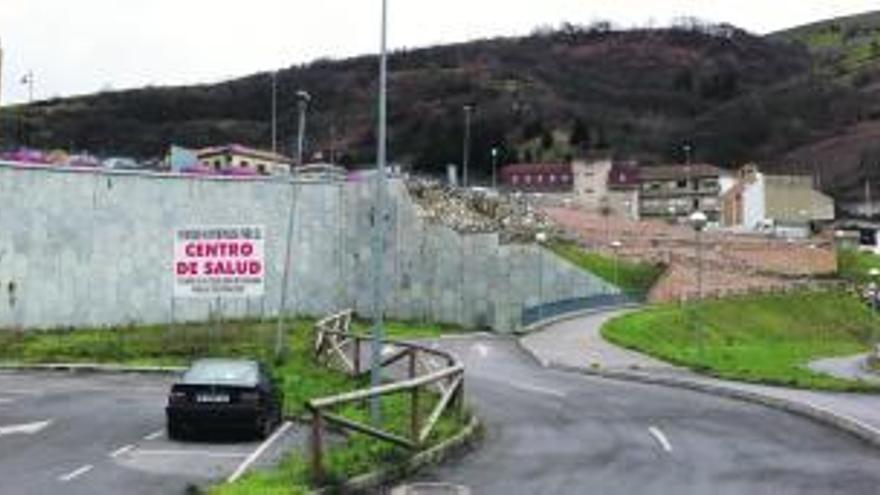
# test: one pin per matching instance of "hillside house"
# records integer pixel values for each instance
(786, 205)
(677, 190)
(538, 177)
(235, 156)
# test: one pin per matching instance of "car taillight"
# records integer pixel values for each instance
(176, 397)
(249, 397)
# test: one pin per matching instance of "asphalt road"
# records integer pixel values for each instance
(96, 434)
(551, 432)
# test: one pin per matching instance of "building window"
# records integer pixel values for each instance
(681, 184)
(565, 178)
(553, 178)
(243, 164)
(528, 179)
(514, 179)
(540, 179)
(261, 168)
(217, 164)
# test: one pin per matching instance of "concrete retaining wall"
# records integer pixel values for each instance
(86, 248)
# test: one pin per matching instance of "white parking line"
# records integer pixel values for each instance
(75, 474)
(154, 435)
(122, 450)
(257, 453)
(5, 400)
(661, 438)
(201, 453)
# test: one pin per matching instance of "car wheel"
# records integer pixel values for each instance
(266, 427)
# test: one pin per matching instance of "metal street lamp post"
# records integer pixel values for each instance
(616, 245)
(275, 111)
(874, 273)
(698, 221)
(303, 100)
(378, 245)
(466, 151)
(541, 238)
(494, 168)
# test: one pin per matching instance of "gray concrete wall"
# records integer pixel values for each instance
(84, 248)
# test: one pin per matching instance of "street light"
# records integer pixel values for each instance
(466, 151)
(275, 111)
(873, 273)
(377, 248)
(698, 221)
(494, 167)
(541, 239)
(615, 246)
(303, 99)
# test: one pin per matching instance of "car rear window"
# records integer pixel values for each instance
(222, 372)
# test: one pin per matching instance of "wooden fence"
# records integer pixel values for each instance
(426, 368)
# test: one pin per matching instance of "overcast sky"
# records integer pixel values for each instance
(84, 46)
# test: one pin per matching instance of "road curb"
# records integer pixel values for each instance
(370, 482)
(92, 368)
(819, 414)
(540, 325)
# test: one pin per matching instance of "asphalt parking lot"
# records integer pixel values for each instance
(94, 434)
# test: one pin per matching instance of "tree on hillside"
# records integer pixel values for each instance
(580, 135)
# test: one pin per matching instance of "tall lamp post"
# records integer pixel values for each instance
(541, 239)
(874, 273)
(275, 111)
(378, 245)
(698, 221)
(494, 167)
(615, 246)
(466, 146)
(303, 99)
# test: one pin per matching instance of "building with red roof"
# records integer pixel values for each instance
(538, 177)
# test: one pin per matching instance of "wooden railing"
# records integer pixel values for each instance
(336, 346)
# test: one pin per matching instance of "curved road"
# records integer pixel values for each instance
(551, 432)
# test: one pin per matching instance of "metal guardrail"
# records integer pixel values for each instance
(534, 314)
(337, 347)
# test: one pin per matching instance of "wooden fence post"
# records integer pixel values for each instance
(414, 399)
(317, 454)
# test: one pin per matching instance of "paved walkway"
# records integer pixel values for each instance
(847, 367)
(578, 343)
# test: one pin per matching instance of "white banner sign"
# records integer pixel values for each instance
(222, 261)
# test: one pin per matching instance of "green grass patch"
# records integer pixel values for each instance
(766, 339)
(629, 276)
(300, 376)
(854, 265)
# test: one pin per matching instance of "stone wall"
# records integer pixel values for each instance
(86, 248)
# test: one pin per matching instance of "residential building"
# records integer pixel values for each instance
(623, 183)
(678, 190)
(787, 205)
(236, 157)
(590, 183)
(538, 177)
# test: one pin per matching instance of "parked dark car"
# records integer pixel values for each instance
(224, 395)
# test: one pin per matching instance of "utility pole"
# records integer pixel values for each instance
(378, 247)
(275, 112)
(466, 152)
(494, 168)
(303, 100)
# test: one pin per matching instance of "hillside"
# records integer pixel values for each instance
(552, 95)
(846, 57)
